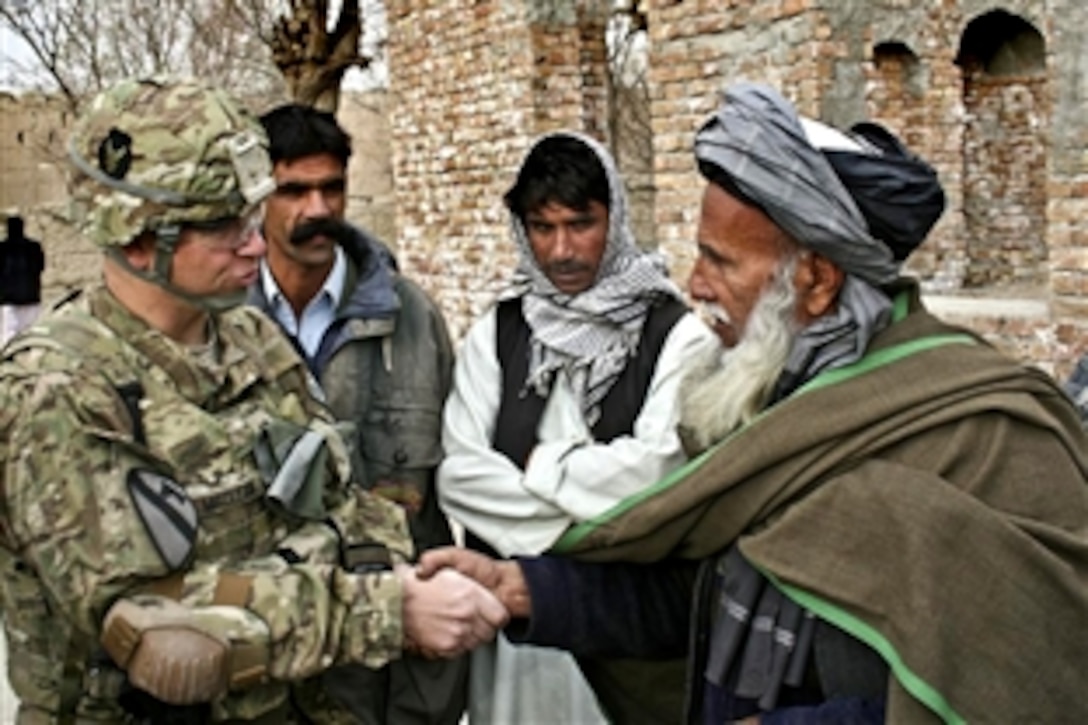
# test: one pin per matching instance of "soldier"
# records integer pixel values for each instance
(180, 537)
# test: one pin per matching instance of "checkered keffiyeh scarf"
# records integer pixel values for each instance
(591, 335)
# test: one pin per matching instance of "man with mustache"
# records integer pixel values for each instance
(564, 403)
(378, 345)
(884, 513)
(181, 539)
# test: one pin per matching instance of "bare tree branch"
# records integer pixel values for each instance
(312, 58)
(82, 46)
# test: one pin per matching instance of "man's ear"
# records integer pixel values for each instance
(820, 280)
(140, 252)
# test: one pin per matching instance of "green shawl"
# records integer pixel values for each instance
(929, 499)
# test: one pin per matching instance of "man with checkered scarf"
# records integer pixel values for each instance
(565, 403)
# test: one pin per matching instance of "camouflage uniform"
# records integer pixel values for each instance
(96, 409)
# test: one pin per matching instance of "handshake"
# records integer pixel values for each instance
(453, 601)
(457, 599)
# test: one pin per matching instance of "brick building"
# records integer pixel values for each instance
(989, 92)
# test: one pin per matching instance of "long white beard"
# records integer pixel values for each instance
(724, 390)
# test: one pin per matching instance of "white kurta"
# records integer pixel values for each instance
(569, 479)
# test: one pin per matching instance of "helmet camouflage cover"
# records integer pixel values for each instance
(162, 152)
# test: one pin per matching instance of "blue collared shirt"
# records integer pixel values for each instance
(319, 312)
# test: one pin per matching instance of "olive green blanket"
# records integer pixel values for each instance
(931, 499)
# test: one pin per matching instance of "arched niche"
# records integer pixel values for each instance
(896, 90)
(999, 43)
(896, 63)
(1002, 59)
(895, 96)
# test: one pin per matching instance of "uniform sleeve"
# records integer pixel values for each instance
(70, 520)
(316, 613)
(584, 478)
(479, 487)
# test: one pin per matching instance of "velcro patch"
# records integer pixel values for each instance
(167, 513)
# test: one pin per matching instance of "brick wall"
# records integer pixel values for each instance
(1009, 150)
(1067, 180)
(697, 45)
(918, 99)
(370, 172)
(1005, 180)
(472, 84)
(474, 81)
(33, 133)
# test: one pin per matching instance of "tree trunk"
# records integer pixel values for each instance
(313, 59)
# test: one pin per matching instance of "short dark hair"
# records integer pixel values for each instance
(561, 170)
(296, 131)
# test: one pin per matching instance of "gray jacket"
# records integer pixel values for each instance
(385, 364)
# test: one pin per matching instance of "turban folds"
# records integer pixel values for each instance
(861, 200)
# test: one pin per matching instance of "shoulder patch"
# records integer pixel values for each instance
(168, 514)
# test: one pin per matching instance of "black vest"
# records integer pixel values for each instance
(629, 691)
(519, 414)
(520, 411)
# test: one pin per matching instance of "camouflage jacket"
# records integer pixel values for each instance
(92, 402)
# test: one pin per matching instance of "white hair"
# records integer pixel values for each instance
(723, 390)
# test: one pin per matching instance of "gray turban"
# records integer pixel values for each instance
(863, 201)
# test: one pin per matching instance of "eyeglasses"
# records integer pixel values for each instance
(229, 233)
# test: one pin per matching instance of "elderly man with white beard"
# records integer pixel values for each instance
(882, 513)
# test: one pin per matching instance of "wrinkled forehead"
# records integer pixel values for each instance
(727, 223)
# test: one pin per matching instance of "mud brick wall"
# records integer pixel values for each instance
(473, 83)
(1005, 181)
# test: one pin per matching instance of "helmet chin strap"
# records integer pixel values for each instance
(166, 242)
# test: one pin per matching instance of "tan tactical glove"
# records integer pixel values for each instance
(183, 655)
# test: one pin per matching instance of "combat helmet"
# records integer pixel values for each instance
(154, 154)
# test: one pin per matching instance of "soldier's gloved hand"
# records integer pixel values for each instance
(184, 656)
(448, 614)
(153, 640)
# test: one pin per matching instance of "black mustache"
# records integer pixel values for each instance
(566, 266)
(327, 226)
